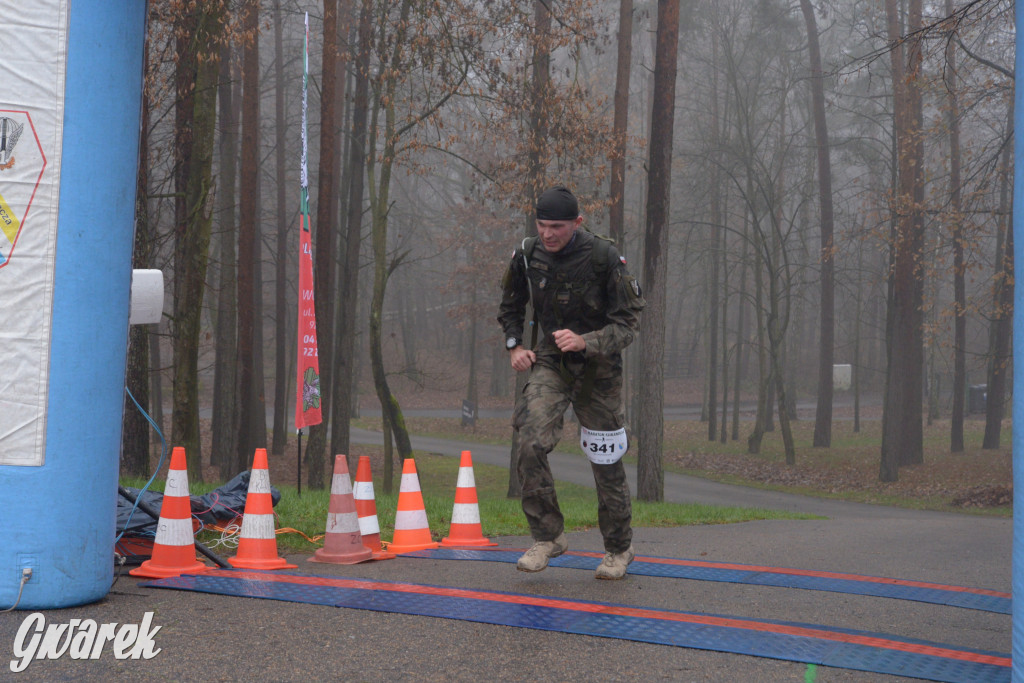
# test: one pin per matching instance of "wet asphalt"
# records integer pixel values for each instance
(219, 638)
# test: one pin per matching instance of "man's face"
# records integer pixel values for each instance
(554, 235)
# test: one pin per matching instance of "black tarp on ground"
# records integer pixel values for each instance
(220, 505)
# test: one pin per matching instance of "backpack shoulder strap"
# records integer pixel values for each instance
(528, 245)
(599, 253)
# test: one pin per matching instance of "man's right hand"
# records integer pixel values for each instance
(522, 359)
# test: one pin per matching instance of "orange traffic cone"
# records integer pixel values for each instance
(257, 543)
(174, 550)
(411, 530)
(366, 510)
(465, 528)
(343, 543)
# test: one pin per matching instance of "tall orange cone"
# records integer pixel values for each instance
(411, 529)
(343, 544)
(465, 528)
(174, 550)
(366, 509)
(257, 542)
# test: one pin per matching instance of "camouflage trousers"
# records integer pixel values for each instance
(538, 419)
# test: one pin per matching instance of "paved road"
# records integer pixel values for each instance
(225, 639)
(686, 411)
(679, 488)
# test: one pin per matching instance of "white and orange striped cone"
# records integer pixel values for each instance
(366, 509)
(257, 542)
(174, 550)
(411, 529)
(465, 528)
(343, 544)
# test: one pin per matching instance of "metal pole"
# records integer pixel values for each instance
(298, 464)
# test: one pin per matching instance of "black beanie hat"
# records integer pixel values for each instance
(557, 204)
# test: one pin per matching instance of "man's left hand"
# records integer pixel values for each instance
(567, 340)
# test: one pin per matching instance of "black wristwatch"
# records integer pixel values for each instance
(512, 343)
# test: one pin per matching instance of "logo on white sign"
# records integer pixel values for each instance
(81, 639)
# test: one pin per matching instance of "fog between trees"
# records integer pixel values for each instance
(438, 124)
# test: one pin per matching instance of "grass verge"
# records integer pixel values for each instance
(499, 515)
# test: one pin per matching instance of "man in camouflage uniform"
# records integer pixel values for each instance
(588, 307)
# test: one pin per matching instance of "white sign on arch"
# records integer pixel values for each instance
(32, 60)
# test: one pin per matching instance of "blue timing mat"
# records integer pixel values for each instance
(900, 589)
(788, 641)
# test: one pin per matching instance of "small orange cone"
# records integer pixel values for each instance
(366, 509)
(465, 528)
(343, 543)
(257, 542)
(174, 550)
(411, 529)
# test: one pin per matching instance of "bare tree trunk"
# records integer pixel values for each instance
(712, 350)
(1001, 329)
(934, 386)
(389, 454)
(348, 281)
(823, 415)
(248, 216)
(499, 372)
(764, 372)
(780, 286)
(650, 472)
(135, 427)
(857, 326)
(725, 340)
(956, 433)
(156, 392)
(713, 282)
(617, 184)
(902, 435)
(776, 333)
(259, 394)
(790, 351)
(407, 322)
(224, 425)
(741, 333)
(281, 316)
(773, 269)
(471, 389)
(195, 116)
(323, 280)
(380, 188)
(338, 208)
(339, 406)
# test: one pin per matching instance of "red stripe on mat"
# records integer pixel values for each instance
(643, 613)
(803, 572)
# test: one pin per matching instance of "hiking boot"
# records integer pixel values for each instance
(536, 558)
(613, 566)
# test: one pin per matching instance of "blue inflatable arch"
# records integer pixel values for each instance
(1018, 368)
(58, 512)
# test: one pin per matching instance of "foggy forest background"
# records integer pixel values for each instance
(797, 184)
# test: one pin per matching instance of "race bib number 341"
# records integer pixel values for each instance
(604, 448)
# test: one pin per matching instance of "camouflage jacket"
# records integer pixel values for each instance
(572, 290)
